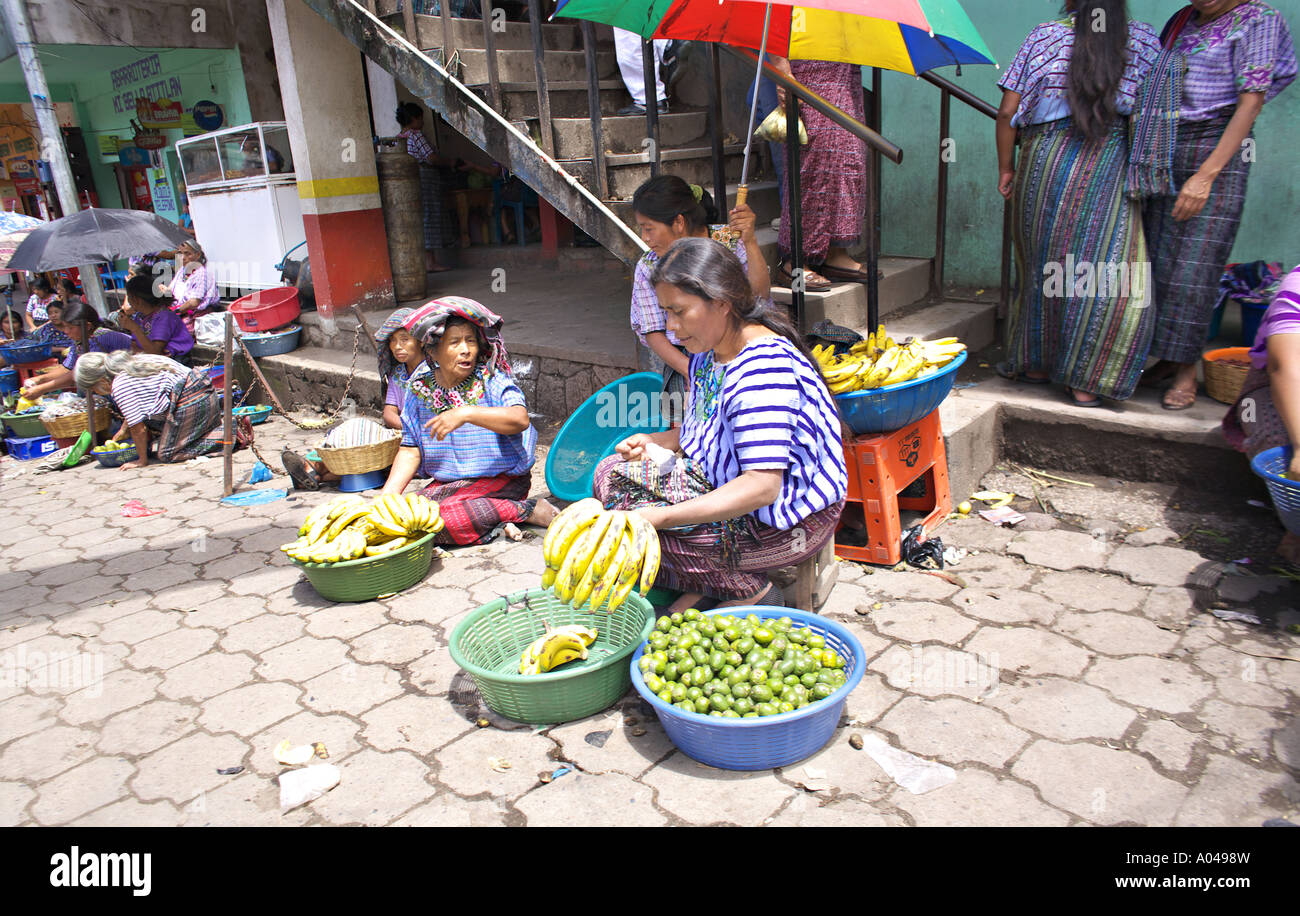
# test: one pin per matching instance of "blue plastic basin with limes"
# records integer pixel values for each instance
(622, 408)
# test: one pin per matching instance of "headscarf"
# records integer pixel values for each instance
(388, 362)
(428, 323)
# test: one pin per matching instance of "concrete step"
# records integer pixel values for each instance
(568, 98)
(521, 66)
(974, 323)
(905, 281)
(506, 35)
(628, 171)
(625, 133)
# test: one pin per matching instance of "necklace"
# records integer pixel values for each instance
(439, 399)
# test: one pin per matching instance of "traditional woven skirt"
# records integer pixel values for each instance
(832, 167)
(1082, 311)
(694, 561)
(473, 508)
(191, 426)
(439, 222)
(1189, 257)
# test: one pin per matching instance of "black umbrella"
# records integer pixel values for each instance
(95, 236)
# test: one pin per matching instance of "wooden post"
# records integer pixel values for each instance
(228, 408)
(90, 395)
(543, 94)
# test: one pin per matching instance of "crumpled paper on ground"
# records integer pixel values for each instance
(913, 773)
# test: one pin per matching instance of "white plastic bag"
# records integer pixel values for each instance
(210, 330)
(298, 787)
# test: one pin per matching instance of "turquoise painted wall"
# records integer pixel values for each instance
(1270, 226)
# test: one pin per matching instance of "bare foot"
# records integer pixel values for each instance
(752, 599)
(542, 515)
(684, 601)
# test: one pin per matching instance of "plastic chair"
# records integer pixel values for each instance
(499, 204)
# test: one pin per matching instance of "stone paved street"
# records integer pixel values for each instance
(1069, 674)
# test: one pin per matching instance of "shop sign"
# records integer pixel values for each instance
(160, 114)
(109, 145)
(208, 115)
(133, 157)
(150, 140)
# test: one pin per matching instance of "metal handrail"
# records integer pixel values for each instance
(962, 95)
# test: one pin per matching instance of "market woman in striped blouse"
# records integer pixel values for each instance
(763, 480)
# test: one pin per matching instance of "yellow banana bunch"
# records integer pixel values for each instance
(878, 361)
(598, 556)
(348, 528)
(555, 647)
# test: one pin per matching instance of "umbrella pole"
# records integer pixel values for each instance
(742, 192)
(90, 395)
(228, 409)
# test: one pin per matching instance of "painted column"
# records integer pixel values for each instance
(325, 107)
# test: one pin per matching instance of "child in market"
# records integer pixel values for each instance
(400, 355)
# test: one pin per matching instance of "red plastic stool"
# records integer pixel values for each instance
(889, 473)
(27, 370)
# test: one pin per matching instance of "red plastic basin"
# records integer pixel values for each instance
(267, 309)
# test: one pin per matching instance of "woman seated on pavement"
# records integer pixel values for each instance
(154, 327)
(465, 424)
(158, 398)
(400, 356)
(763, 480)
(69, 324)
(1267, 412)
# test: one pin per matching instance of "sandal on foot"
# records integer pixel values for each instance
(304, 478)
(1178, 399)
(830, 271)
(1158, 374)
(1072, 395)
(813, 282)
(1004, 370)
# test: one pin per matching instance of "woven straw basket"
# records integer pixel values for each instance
(361, 459)
(1223, 379)
(74, 425)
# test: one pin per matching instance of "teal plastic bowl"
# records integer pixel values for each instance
(622, 408)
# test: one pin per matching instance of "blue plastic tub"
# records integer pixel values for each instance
(31, 447)
(883, 410)
(26, 352)
(116, 457)
(771, 741)
(622, 408)
(1271, 464)
(259, 413)
(273, 343)
(8, 381)
(355, 483)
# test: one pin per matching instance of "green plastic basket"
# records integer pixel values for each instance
(24, 425)
(488, 642)
(369, 577)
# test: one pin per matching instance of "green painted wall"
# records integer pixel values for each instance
(1270, 226)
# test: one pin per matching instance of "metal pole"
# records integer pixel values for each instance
(715, 128)
(650, 72)
(941, 198)
(52, 148)
(593, 109)
(228, 410)
(90, 395)
(753, 107)
(794, 208)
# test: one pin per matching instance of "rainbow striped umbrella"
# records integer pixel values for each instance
(910, 36)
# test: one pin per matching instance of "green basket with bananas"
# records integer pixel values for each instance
(367, 578)
(488, 643)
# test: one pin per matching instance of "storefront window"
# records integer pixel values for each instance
(199, 162)
(279, 158)
(241, 154)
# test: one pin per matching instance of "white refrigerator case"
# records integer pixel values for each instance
(244, 202)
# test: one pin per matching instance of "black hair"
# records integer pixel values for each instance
(15, 321)
(1097, 64)
(40, 283)
(76, 312)
(709, 270)
(665, 197)
(141, 286)
(67, 285)
(407, 112)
